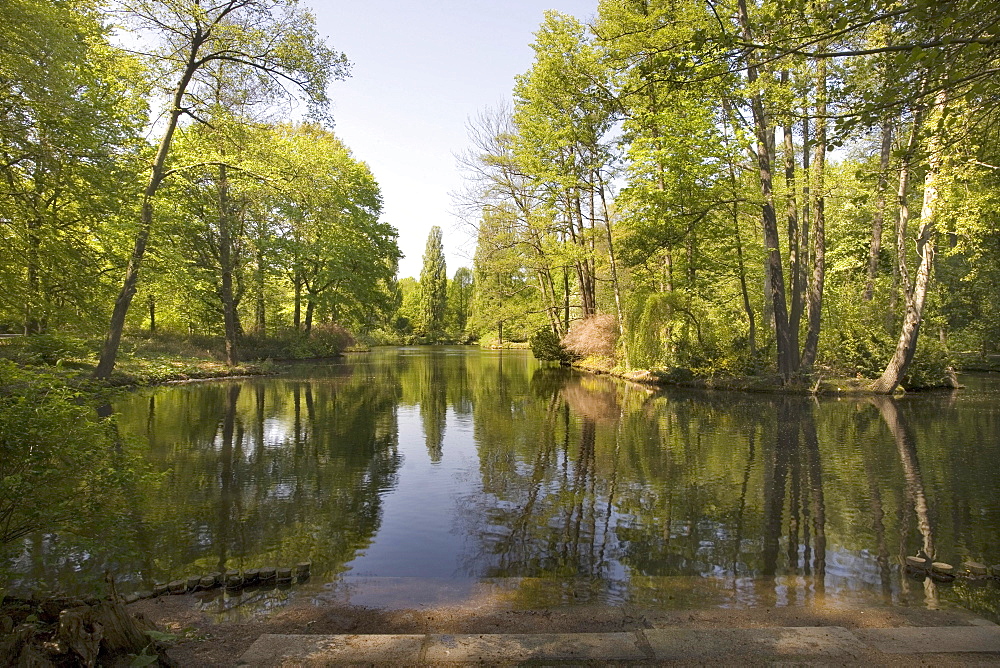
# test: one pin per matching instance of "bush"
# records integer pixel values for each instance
(61, 467)
(678, 374)
(861, 351)
(325, 340)
(175, 347)
(545, 346)
(43, 348)
(929, 368)
(595, 336)
(383, 337)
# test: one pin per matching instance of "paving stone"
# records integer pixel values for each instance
(319, 650)
(763, 643)
(932, 639)
(506, 648)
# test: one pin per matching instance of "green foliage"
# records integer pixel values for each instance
(433, 287)
(546, 346)
(70, 137)
(60, 465)
(461, 289)
(42, 349)
(325, 340)
(383, 337)
(929, 366)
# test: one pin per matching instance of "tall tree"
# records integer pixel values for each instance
(460, 289)
(433, 286)
(563, 143)
(272, 40)
(71, 113)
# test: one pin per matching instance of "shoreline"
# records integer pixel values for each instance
(818, 386)
(201, 638)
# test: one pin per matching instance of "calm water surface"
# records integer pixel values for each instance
(411, 476)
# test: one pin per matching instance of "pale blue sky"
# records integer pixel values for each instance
(421, 70)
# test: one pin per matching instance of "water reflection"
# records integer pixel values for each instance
(250, 473)
(610, 490)
(467, 465)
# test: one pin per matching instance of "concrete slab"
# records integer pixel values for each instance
(933, 639)
(319, 650)
(511, 648)
(747, 645)
(783, 643)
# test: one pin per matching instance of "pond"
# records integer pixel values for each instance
(415, 476)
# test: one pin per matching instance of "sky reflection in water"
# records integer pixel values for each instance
(457, 469)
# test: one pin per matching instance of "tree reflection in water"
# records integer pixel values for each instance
(251, 473)
(578, 486)
(623, 493)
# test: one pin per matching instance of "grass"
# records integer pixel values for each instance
(67, 362)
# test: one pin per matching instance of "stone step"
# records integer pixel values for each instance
(932, 639)
(820, 644)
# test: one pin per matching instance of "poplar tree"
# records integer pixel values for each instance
(433, 286)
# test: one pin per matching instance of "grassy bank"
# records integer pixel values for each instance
(69, 363)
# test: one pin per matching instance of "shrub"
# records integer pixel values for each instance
(383, 337)
(43, 348)
(929, 368)
(61, 467)
(175, 346)
(545, 346)
(595, 336)
(325, 340)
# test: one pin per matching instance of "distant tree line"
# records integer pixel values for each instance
(433, 309)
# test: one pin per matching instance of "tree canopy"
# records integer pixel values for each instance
(746, 186)
(195, 141)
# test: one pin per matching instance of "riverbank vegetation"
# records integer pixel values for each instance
(170, 173)
(745, 188)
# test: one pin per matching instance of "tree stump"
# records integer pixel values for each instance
(105, 626)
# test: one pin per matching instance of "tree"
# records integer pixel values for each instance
(272, 40)
(460, 291)
(69, 137)
(563, 145)
(510, 214)
(343, 257)
(433, 287)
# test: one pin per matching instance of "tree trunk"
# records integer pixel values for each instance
(747, 308)
(226, 263)
(814, 298)
(297, 309)
(548, 298)
(260, 310)
(310, 309)
(906, 346)
(565, 299)
(32, 323)
(152, 314)
(794, 240)
(806, 200)
(614, 265)
(744, 290)
(109, 350)
(878, 220)
(769, 221)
